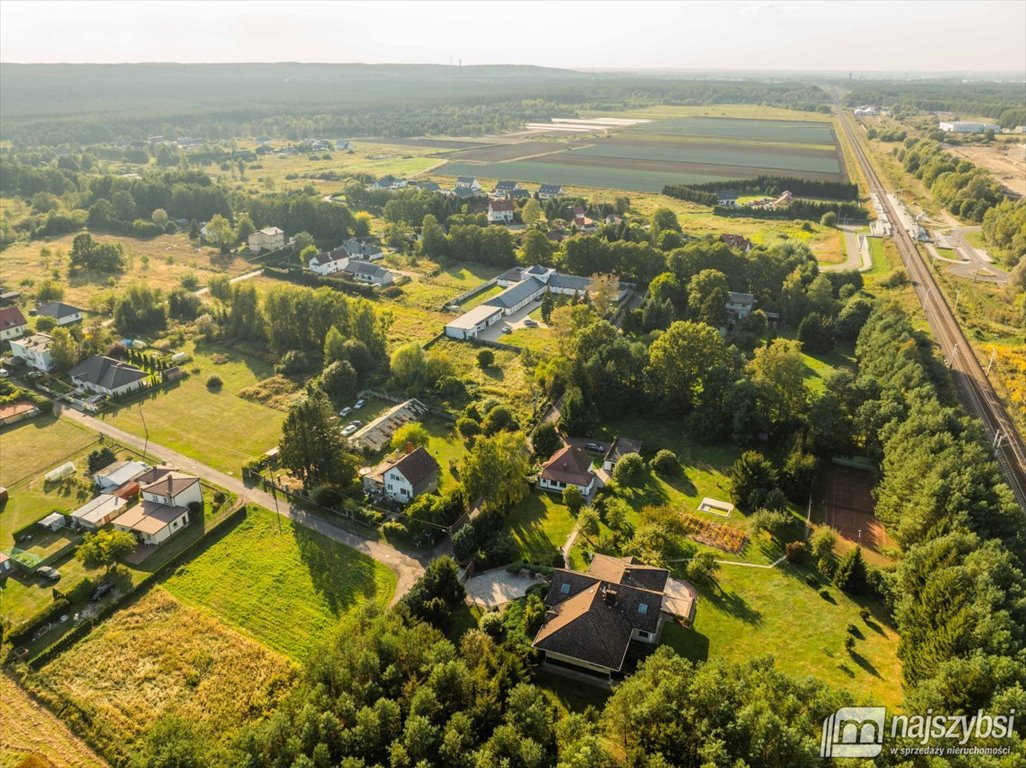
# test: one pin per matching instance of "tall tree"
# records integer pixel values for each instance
(311, 446)
(496, 470)
(707, 297)
(679, 360)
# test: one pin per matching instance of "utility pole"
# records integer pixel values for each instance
(274, 495)
(146, 431)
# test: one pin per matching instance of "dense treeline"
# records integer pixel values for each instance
(295, 101)
(811, 210)
(1004, 228)
(963, 188)
(959, 594)
(767, 185)
(1002, 102)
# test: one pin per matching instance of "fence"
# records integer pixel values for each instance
(467, 294)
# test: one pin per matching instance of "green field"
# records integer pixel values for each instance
(769, 158)
(790, 131)
(216, 427)
(31, 446)
(280, 583)
(754, 611)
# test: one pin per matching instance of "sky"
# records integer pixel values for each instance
(981, 36)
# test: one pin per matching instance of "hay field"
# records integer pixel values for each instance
(160, 658)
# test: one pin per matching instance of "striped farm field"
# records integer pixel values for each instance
(791, 131)
(776, 158)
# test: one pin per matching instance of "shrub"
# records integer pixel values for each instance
(665, 463)
(864, 614)
(485, 358)
(629, 470)
(851, 629)
(325, 496)
(822, 542)
(464, 543)
(825, 566)
(534, 615)
(849, 643)
(795, 551)
(214, 382)
(573, 498)
(219, 497)
(545, 440)
(811, 580)
(100, 458)
(467, 426)
(775, 522)
(828, 219)
(851, 572)
(81, 591)
(491, 624)
(701, 567)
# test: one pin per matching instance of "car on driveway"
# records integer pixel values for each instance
(595, 447)
(530, 323)
(101, 590)
(345, 411)
(349, 430)
(507, 329)
(358, 405)
(51, 574)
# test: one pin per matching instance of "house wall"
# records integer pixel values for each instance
(13, 332)
(397, 487)
(329, 268)
(41, 361)
(193, 493)
(72, 318)
(550, 485)
(505, 217)
(577, 662)
(111, 392)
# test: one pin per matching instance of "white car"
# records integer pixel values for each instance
(4, 373)
(345, 411)
(358, 405)
(349, 430)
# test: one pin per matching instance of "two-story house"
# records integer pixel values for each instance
(34, 351)
(267, 239)
(12, 323)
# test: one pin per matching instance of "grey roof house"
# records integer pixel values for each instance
(107, 376)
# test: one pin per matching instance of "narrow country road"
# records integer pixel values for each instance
(237, 279)
(408, 569)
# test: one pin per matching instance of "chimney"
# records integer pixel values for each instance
(409, 448)
(609, 595)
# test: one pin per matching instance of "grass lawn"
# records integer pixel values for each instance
(755, 611)
(216, 427)
(160, 262)
(32, 732)
(159, 657)
(410, 323)
(540, 524)
(28, 448)
(280, 583)
(506, 379)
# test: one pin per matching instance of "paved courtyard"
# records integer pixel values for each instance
(492, 589)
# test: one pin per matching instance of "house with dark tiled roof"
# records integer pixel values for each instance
(739, 305)
(737, 241)
(567, 466)
(64, 314)
(367, 272)
(468, 182)
(12, 323)
(503, 188)
(405, 478)
(619, 448)
(549, 191)
(594, 617)
(107, 376)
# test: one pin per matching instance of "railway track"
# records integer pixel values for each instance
(977, 392)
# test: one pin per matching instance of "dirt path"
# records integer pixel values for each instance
(236, 279)
(408, 569)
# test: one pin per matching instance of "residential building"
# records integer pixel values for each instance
(737, 241)
(582, 222)
(471, 323)
(385, 182)
(518, 194)
(726, 197)
(367, 272)
(34, 351)
(6, 564)
(549, 191)
(962, 126)
(12, 413)
(267, 239)
(500, 211)
(174, 489)
(429, 186)
(64, 314)
(619, 448)
(503, 188)
(12, 323)
(107, 376)
(517, 296)
(404, 478)
(97, 512)
(152, 523)
(377, 434)
(365, 249)
(594, 617)
(468, 182)
(117, 473)
(739, 305)
(329, 262)
(567, 466)
(465, 193)
(7, 298)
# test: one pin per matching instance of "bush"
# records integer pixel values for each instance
(81, 591)
(629, 470)
(864, 614)
(851, 573)
(325, 496)
(573, 499)
(822, 542)
(775, 522)
(795, 551)
(701, 567)
(485, 358)
(467, 426)
(828, 219)
(214, 382)
(464, 543)
(491, 624)
(99, 459)
(665, 463)
(849, 643)
(825, 566)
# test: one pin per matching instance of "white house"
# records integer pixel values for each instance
(107, 376)
(962, 126)
(174, 489)
(64, 314)
(471, 323)
(12, 323)
(267, 239)
(568, 466)
(549, 191)
(118, 473)
(366, 272)
(98, 512)
(468, 182)
(153, 523)
(406, 478)
(363, 249)
(329, 262)
(500, 211)
(739, 305)
(35, 351)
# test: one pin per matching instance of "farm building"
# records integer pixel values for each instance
(97, 512)
(107, 376)
(34, 351)
(567, 466)
(267, 239)
(375, 436)
(12, 323)
(962, 126)
(470, 324)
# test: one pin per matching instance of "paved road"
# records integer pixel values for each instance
(236, 279)
(979, 266)
(855, 257)
(406, 568)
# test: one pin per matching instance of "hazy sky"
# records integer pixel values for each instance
(916, 36)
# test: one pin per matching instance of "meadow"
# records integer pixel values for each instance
(280, 583)
(160, 658)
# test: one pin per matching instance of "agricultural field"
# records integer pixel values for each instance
(675, 150)
(29, 447)
(280, 583)
(32, 732)
(160, 658)
(751, 612)
(161, 262)
(214, 426)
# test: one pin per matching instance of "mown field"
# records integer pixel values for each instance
(31, 732)
(280, 583)
(160, 658)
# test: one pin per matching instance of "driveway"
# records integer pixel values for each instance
(492, 589)
(408, 569)
(514, 321)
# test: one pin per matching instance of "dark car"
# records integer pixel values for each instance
(595, 447)
(102, 590)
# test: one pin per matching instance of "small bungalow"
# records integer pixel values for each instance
(64, 314)
(153, 523)
(366, 272)
(619, 448)
(12, 413)
(567, 466)
(107, 376)
(12, 323)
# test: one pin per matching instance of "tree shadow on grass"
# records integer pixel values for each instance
(864, 663)
(526, 523)
(343, 576)
(732, 603)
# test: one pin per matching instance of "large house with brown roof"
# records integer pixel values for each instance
(593, 617)
(568, 466)
(405, 478)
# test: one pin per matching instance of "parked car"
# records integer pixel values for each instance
(4, 373)
(349, 430)
(49, 573)
(595, 447)
(356, 423)
(530, 323)
(101, 590)
(345, 411)
(358, 405)
(507, 329)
